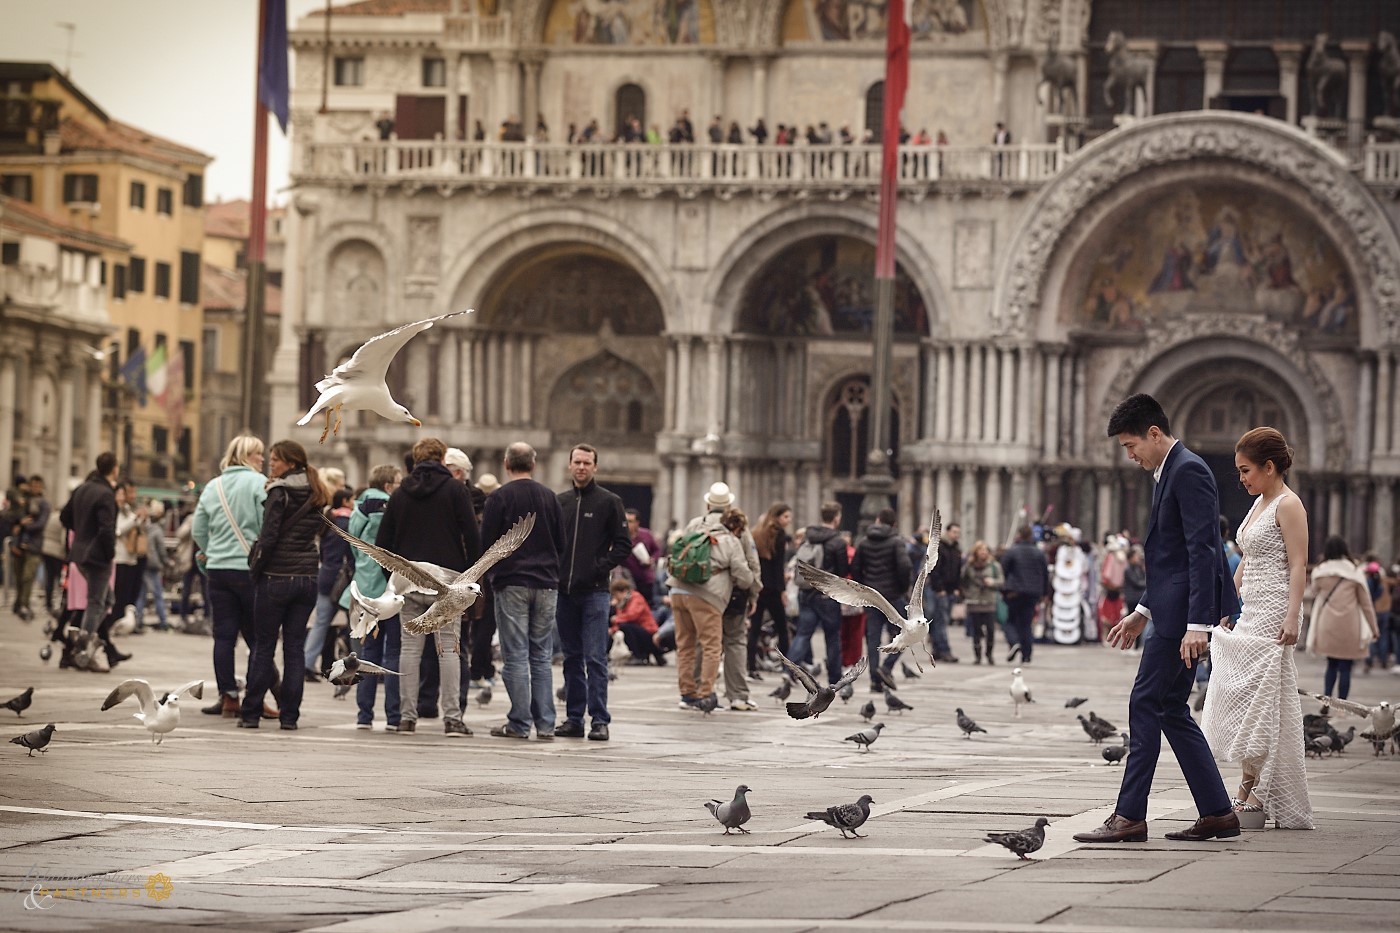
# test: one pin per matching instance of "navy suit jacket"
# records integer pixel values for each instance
(1188, 576)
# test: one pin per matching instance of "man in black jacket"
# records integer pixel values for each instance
(814, 608)
(940, 589)
(882, 563)
(1027, 583)
(430, 518)
(595, 541)
(91, 514)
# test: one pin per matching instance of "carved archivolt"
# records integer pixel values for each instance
(1370, 246)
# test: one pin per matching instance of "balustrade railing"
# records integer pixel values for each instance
(1381, 164)
(469, 29)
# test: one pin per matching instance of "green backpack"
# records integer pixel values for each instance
(690, 556)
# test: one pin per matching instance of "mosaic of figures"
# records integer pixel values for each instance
(575, 294)
(857, 20)
(1211, 249)
(826, 286)
(630, 22)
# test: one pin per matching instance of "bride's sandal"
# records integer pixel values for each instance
(1251, 815)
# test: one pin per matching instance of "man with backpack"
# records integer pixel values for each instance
(707, 562)
(823, 548)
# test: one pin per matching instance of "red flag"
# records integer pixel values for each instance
(896, 82)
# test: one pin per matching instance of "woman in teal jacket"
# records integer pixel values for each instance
(226, 523)
(381, 648)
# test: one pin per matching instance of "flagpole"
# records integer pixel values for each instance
(254, 379)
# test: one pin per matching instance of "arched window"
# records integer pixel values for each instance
(875, 110)
(848, 430)
(605, 399)
(631, 102)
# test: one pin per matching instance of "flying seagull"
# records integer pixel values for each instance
(1383, 725)
(454, 592)
(866, 737)
(36, 741)
(966, 724)
(359, 383)
(366, 611)
(819, 696)
(848, 817)
(158, 716)
(913, 631)
(735, 813)
(351, 670)
(1019, 693)
(1023, 841)
(20, 703)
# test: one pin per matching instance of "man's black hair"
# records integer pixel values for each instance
(1136, 414)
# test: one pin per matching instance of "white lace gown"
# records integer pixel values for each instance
(1253, 712)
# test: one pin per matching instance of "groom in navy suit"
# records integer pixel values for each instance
(1189, 589)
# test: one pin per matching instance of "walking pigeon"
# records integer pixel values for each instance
(1116, 753)
(1383, 723)
(1022, 842)
(735, 813)
(913, 631)
(908, 672)
(966, 724)
(45, 653)
(1098, 731)
(819, 696)
(560, 694)
(846, 692)
(1075, 702)
(867, 711)
(37, 740)
(1019, 693)
(782, 691)
(351, 670)
(707, 705)
(483, 698)
(159, 717)
(894, 704)
(1103, 723)
(866, 737)
(20, 703)
(848, 817)
(359, 384)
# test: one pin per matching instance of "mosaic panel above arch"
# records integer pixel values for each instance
(574, 289)
(630, 22)
(864, 20)
(825, 286)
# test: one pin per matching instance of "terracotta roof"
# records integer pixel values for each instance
(123, 137)
(387, 8)
(27, 218)
(223, 289)
(227, 219)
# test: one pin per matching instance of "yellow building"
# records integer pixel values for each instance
(61, 152)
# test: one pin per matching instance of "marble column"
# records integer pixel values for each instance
(760, 87)
(684, 379)
(943, 492)
(991, 528)
(1384, 539)
(1005, 423)
(1358, 530)
(527, 379)
(661, 503)
(449, 378)
(1357, 52)
(928, 421)
(1020, 498)
(1365, 400)
(510, 376)
(1081, 408)
(1104, 483)
(67, 415)
(714, 401)
(1151, 50)
(496, 379)
(734, 356)
(789, 480)
(465, 415)
(976, 393)
(533, 61)
(668, 398)
(967, 502)
(811, 494)
(1001, 64)
(1289, 55)
(1381, 440)
(504, 99)
(907, 516)
(1051, 446)
(680, 489)
(990, 404)
(926, 503)
(92, 423)
(1213, 54)
(1022, 435)
(7, 414)
(943, 427)
(717, 61)
(957, 388)
(450, 130)
(480, 410)
(1334, 507)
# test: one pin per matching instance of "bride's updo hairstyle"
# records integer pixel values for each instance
(1264, 445)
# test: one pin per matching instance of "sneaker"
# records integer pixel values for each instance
(248, 723)
(688, 703)
(473, 685)
(1011, 655)
(506, 732)
(455, 727)
(408, 725)
(599, 732)
(364, 726)
(393, 727)
(544, 736)
(743, 706)
(289, 727)
(569, 730)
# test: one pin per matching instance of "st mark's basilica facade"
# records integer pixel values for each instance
(1198, 200)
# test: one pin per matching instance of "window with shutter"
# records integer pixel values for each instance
(118, 281)
(193, 193)
(79, 188)
(189, 278)
(138, 195)
(137, 279)
(162, 283)
(165, 201)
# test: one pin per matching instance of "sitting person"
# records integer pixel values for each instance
(632, 616)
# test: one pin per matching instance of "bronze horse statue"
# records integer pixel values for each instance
(1125, 70)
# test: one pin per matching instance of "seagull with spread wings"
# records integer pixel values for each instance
(913, 631)
(1382, 715)
(359, 383)
(819, 696)
(158, 716)
(453, 592)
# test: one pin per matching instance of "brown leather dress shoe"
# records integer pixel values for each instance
(1116, 829)
(1209, 827)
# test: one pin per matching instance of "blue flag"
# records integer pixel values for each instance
(134, 373)
(272, 61)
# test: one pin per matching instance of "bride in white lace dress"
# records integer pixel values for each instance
(1253, 713)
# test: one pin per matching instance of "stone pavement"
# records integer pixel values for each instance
(333, 829)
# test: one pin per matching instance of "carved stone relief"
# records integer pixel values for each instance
(972, 253)
(357, 282)
(424, 247)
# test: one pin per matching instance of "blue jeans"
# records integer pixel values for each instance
(875, 625)
(316, 638)
(814, 609)
(151, 583)
(382, 649)
(229, 594)
(1381, 647)
(99, 596)
(525, 625)
(583, 631)
(283, 607)
(1339, 674)
(939, 608)
(187, 588)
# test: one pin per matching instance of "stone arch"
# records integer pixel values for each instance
(477, 267)
(838, 413)
(349, 242)
(760, 243)
(769, 17)
(569, 287)
(1271, 149)
(607, 400)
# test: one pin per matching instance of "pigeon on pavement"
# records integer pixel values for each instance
(866, 737)
(1019, 692)
(908, 672)
(1023, 841)
(819, 696)
(782, 691)
(735, 813)
(913, 631)
(1383, 723)
(483, 698)
(707, 705)
(454, 593)
(1116, 753)
(359, 384)
(37, 740)
(846, 692)
(966, 724)
(561, 693)
(1102, 723)
(868, 710)
(1075, 702)
(848, 817)
(351, 670)
(45, 653)
(894, 704)
(1098, 731)
(159, 717)
(20, 703)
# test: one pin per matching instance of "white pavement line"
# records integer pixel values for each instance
(186, 821)
(736, 847)
(807, 923)
(198, 867)
(454, 915)
(1059, 838)
(957, 789)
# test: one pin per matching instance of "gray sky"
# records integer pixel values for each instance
(183, 69)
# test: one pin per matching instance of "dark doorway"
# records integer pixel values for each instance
(638, 496)
(426, 117)
(875, 111)
(631, 102)
(1234, 501)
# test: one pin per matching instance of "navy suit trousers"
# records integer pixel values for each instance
(1159, 707)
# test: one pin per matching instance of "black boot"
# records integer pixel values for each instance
(114, 657)
(977, 650)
